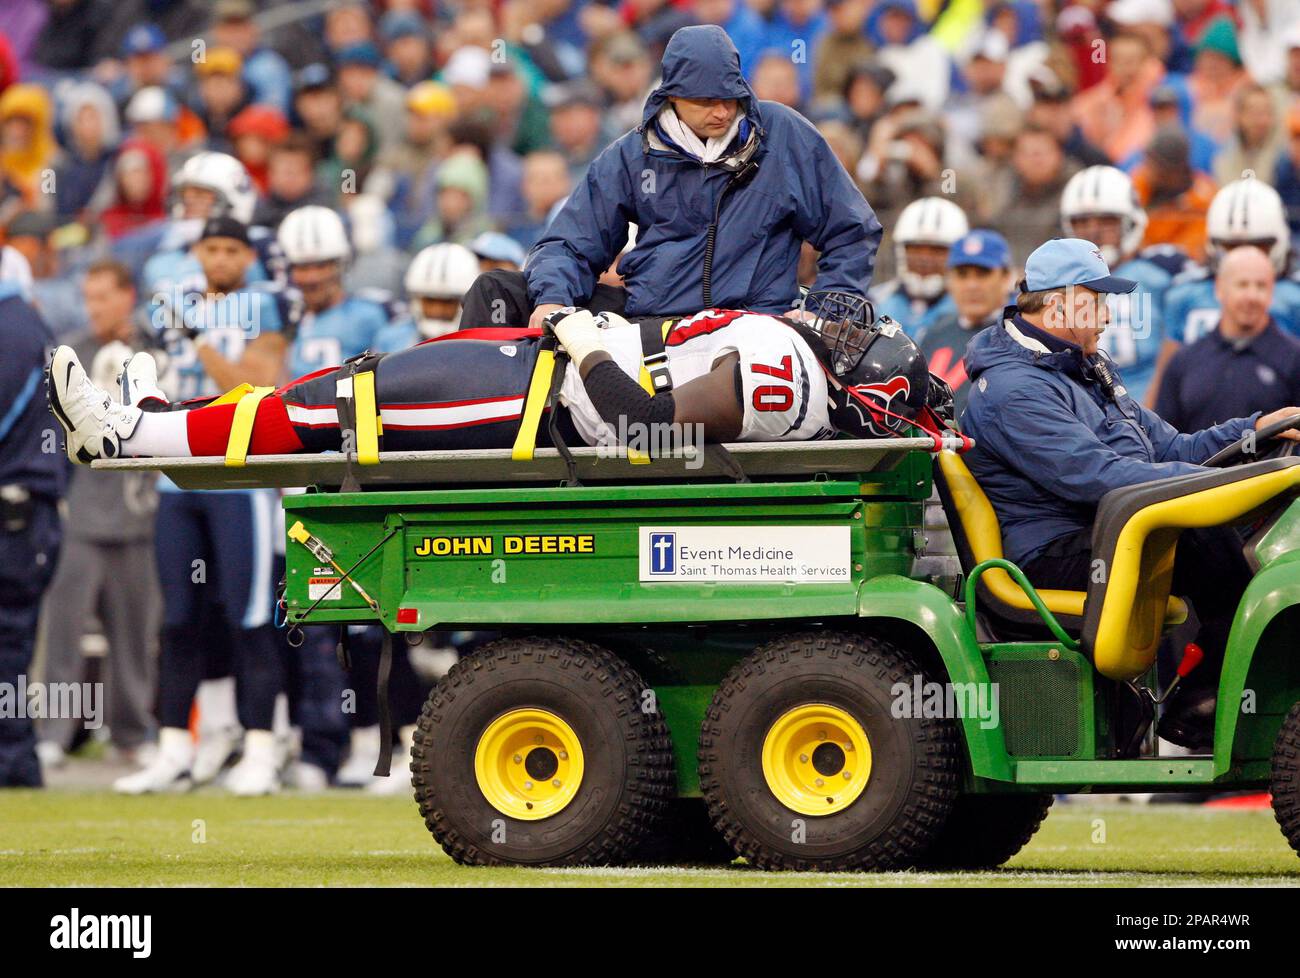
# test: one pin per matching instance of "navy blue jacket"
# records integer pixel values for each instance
(1049, 443)
(799, 192)
(25, 417)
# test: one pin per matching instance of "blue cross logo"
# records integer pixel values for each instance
(663, 553)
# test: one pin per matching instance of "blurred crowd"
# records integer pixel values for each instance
(1166, 131)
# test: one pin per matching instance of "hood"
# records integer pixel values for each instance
(155, 205)
(701, 62)
(97, 97)
(32, 102)
(466, 172)
(995, 346)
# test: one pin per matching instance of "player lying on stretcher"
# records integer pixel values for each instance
(739, 376)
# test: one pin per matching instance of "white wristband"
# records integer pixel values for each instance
(579, 335)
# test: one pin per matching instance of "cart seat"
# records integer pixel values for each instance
(1136, 535)
(978, 537)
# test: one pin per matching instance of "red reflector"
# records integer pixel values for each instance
(408, 616)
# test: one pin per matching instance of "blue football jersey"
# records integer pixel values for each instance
(326, 339)
(1192, 310)
(397, 336)
(1136, 330)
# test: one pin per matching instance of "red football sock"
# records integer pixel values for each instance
(208, 429)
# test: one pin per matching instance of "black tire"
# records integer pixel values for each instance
(685, 837)
(984, 831)
(915, 762)
(1285, 783)
(629, 770)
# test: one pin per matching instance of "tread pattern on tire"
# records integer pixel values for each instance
(984, 831)
(1285, 781)
(650, 747)
(938, 770)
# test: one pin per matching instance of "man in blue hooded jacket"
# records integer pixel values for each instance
(722, 188)
(1055, 430)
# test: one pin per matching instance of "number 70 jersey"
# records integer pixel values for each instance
(782, 387)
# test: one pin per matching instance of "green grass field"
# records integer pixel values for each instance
(72, 838)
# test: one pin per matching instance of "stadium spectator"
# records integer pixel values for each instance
(140, 175)
(459, 206)
(154, 117)
(742, 22)
(1256, 141)
(400, 170)
(27, 146)
(290, 180)
(622, 68)
(864, 95)
(106, 568)
(576, 129)
(254, 132)
(979, 282)
(1246, 364)
(1172, 107)
(145, 63)
(355, 149)
(546, 183)
(1214, 79)
(265, 71)
(1049, 97)
(983, 77)
(362, 87)
(1026, 207)
(517, 115)
(408, 56)
(1175, 196)
(909, 52)
(841, 46)
(777, 80)
(1191, 19)
(1287, 173)
(317, 107)
(496, 250)
(70, 39)
(222, 94)
(1115, 114)
(92, 132)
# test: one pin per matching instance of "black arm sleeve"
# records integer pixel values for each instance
(615, 395)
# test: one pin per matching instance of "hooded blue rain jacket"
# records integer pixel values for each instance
(798, 192)
(1049, 443)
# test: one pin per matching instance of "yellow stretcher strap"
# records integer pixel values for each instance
(539, 389)
(233, 395)
(647, 384)
(363, 392)
(241, 428)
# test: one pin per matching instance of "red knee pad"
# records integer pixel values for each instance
(208, 429)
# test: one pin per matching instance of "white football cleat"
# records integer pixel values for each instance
(96, 425)
(398, 781)
(258, 772)
(359, 769)
(168, 771)
(311, 778)
(216, 747)
(139, 381)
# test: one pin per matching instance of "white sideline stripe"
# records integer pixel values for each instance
(397, 415)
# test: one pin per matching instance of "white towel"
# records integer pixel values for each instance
(684, 136)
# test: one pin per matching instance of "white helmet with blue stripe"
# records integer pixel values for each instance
(1248, 212)
(928, 221)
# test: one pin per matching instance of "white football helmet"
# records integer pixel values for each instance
(928, 221)
(1105, 191)
(441, 271)
(313, 234)
(225, 176)
(1248, 212)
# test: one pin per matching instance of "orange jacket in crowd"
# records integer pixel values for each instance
(1180, 221)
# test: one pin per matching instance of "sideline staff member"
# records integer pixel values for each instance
(1055, 430)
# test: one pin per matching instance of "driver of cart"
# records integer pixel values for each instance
(732, 376)
(1055, 430)
(724, 189)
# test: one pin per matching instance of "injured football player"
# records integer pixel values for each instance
(730, 375)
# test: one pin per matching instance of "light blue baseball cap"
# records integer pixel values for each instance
(1063, 262)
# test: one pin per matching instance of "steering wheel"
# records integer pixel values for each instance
(1235, 454)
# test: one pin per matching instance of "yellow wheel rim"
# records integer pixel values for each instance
(816, 759)
(528, 764)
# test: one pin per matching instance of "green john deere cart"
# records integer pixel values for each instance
(750, 652)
